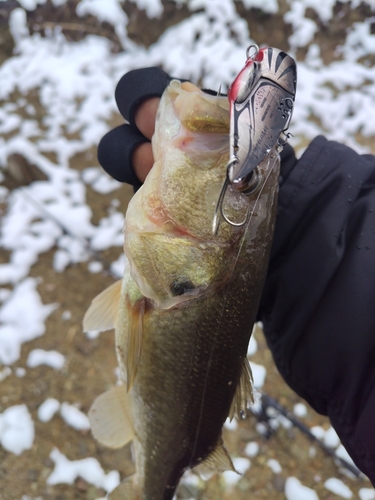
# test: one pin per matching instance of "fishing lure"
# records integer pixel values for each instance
(261, 100)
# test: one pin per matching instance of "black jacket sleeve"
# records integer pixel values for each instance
(318, 304)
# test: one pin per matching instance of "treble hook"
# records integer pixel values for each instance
(219, 210)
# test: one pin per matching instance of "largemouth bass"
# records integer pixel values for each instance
(184, 311)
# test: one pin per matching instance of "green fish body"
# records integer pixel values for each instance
(185, 309)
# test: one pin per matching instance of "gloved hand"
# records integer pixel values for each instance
(318, 304)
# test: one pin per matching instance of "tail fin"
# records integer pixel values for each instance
(125, 491)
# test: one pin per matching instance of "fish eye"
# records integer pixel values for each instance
(181, 286)
(245, 83)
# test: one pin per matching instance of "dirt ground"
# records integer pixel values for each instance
(90, 366)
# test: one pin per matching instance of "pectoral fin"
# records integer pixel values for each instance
(102, 313)
(243, 396)
(110, 418)
(135, 338)
(217, 461)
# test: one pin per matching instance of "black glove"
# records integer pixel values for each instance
(318, 304)
(116, 149)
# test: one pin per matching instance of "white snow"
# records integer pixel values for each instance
(300, 410)
(331, 438)
(231, 425)
(99, 180)
(338, 487)
(295, 490)
(259, 374)
(95, 267)
(153, 8)
(74, 417)
(5, 372)
(318, 431)
(274, 465)
(89, 469)
(253, 345)
(367, 494)
(66, 315)
(22, 318)
(109, 11)
(47, 409)
(31, 4)
(16, 429)
(342, 453)
(241, 465)
(252, 449)
(17, 25)
(39, 357)
(269, 6)
(20, 372)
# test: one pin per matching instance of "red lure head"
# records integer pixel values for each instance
(242, 84)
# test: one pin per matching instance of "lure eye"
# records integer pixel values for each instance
(245, 83)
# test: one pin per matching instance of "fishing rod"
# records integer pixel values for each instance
(262, 416)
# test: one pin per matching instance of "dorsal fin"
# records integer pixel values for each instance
(217, 461)
(110, 418)
(243, 396)
(135, 337)
(102, 313)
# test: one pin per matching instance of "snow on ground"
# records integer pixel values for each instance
(48, 409)
(295, 490)
(16, 429)
(74, 417)
(39, 357)
(338, 487)
(89, 469)
(75, 83)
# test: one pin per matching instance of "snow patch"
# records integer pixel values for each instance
(39, 357)
(295, 490)
(16, 429)
(253, 345)
(231, 425)
(259, 374)
(241, 465)
(269, 6)
(367, 494)
(48, 409)
(74, 417)
(89, 469)
(22, 319)
(252, 449)
(300, 410)
(274, 465)
(338, 487)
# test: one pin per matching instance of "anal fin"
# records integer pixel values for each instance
(102, 313)
(217, 461)
(243, 396)
(110, 418)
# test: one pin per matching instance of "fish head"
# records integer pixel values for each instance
(173, 254)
